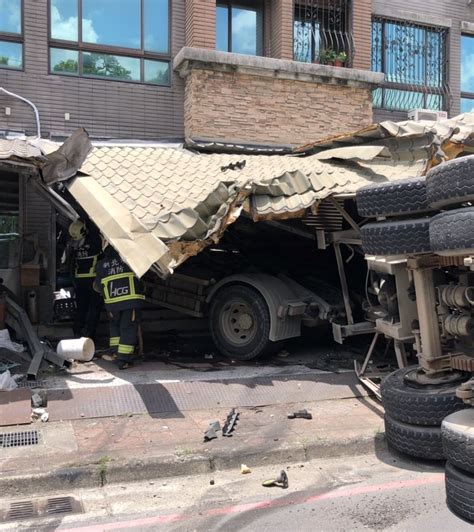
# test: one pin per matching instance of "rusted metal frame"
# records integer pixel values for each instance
(344, 214)
(344, 286)
(431, 357)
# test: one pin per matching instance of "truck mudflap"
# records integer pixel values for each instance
(287, 301)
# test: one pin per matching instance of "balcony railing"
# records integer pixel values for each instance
(321, 32)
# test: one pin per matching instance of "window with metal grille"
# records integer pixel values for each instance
(414, 60)
(467, 73)
(321, 32)
(11, 34)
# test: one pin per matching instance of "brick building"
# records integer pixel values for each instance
(253, 71)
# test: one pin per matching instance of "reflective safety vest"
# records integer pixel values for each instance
(86, 267)
(87, 256)
(119, 285)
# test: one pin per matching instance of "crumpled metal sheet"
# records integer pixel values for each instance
(405, 138)
(158, 206)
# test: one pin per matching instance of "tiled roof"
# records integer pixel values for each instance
(181, 196)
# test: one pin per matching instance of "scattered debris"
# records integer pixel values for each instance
(6, 342)
(244, 469)
(7, 382)
(283, 354)
(230, 423)
(36, 400)
(6, 363)
(211, 432)
(303, 414)
(280, 481)
(212, 482)
(39, 413)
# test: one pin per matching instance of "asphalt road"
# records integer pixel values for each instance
(383, 492)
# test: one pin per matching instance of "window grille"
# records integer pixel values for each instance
(413, 58)
(322, 33)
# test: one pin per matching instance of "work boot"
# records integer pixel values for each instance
(125, 364)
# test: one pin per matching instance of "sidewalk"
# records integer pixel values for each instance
(108, 427)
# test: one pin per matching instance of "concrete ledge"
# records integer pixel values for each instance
(118, 470)
(189, 59)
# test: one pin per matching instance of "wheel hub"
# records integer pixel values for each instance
(245, 322)
(238, 322)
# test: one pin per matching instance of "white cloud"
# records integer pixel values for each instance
(66, 29)
(467, 72)
(13, 11)
(244, 34)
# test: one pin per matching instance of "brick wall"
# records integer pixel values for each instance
(201, 23)
(281, 27)
(362, 33)
(232, 106)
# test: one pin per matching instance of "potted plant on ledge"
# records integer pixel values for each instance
(340, 59)
(327, 56)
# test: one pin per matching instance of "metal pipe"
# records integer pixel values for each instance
(427, 317)
(345, 288)
(13, 95)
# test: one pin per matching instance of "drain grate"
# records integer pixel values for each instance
(59, 505)
(31, 384)
(21, 510)
(19, 439)
(16, 511)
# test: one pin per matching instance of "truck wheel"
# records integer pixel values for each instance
(451, 183)
(452, 232)
(457, 431)
(460, 492)
(393, 198)
(420, 442)
(402, 237)
(418, 404)
(240, 322)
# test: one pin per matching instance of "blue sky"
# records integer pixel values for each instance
(112, 23)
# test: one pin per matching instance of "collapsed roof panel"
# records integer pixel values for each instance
(158, 206)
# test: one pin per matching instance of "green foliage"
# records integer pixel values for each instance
(4, 60)
(69, 65)
(104, 65)
(327, 55)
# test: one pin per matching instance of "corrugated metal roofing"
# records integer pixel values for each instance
(158, 206)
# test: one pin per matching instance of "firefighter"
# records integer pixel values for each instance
(87, 248)
(124, 298)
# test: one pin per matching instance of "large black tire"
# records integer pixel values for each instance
(240, 322)
(420, 442)
(460, 492)
(452, 232)
(457, 431)
(451, 183)
(418, 404)
(393, 198)
(403, 237)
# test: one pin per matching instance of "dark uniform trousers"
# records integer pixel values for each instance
(124, 298)
(124, 331)
(88, 308)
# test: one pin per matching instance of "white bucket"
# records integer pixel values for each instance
(81, 349)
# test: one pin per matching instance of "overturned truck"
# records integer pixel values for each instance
(427, 226)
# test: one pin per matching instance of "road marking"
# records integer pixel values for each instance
(263, 505)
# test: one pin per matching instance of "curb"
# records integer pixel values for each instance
(109, 471)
